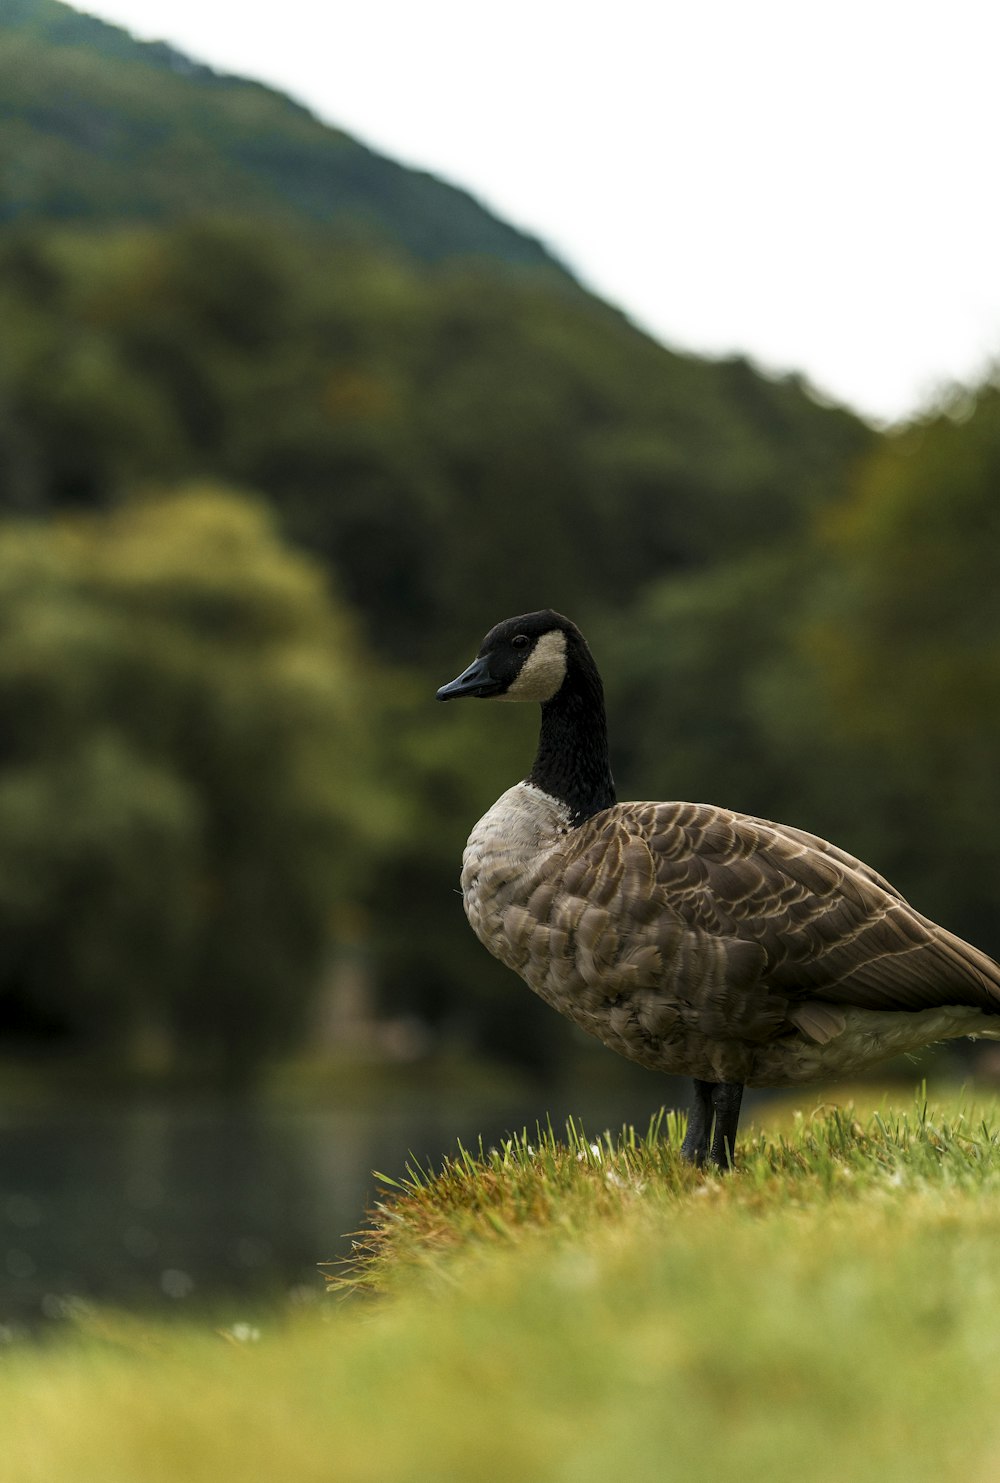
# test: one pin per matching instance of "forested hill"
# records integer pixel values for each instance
(284, 427)
(197, 278)
(97, 126)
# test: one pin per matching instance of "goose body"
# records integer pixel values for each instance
(687, 937)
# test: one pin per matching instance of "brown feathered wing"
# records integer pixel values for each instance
(754, 925)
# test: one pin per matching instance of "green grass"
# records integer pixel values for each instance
(581, 1310)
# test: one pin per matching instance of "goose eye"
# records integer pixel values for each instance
(520, 641)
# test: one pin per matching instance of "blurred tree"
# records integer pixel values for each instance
(904, 633)
(455, 441)
(684, 667)
(185, 788)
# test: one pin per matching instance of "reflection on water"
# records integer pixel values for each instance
(224, 1209)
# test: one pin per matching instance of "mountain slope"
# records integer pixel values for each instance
(98, 126)
(199, 279)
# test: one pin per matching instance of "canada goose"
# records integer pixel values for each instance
(687, 937)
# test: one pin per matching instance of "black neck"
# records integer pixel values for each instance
(572, 761)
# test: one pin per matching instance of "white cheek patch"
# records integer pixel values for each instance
(544, 670)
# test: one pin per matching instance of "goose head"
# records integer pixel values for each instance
(544, 657)
(524, 658)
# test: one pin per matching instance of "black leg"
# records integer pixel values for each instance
(712, 1123)
(699, 1128)
(726, 1099)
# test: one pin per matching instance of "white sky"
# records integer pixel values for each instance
(814, 184)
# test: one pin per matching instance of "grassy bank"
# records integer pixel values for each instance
(578, 1310)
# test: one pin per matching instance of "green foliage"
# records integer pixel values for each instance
(184, 790)
(920, 606)
(684, 668)
(902, 639)
(456, 442)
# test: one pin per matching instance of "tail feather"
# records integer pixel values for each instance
(976, 968)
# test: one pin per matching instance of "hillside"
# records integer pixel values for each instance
(97, 126)
(201, 285)
(200, 278)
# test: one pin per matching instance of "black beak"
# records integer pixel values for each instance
(476, 680)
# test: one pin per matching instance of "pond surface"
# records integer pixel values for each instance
(217, 1209)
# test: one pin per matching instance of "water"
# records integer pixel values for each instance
(212, 1209)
